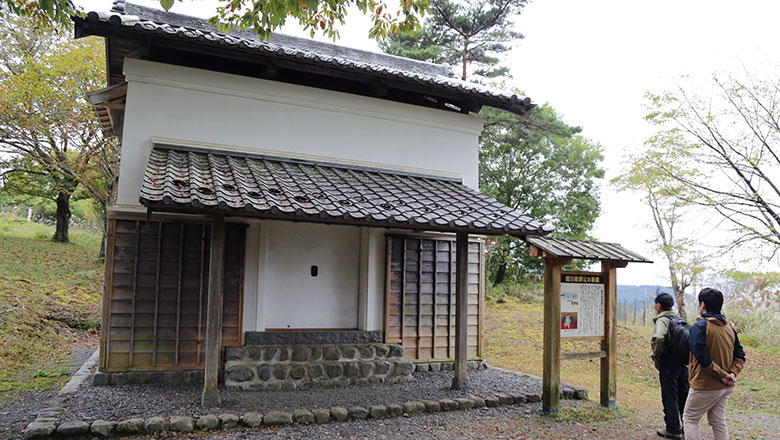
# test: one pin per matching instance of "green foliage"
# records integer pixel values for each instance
(527, 292)
(758, 328)
(543, 167)
(471, 34)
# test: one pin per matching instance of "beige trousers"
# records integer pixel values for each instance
(712, 403)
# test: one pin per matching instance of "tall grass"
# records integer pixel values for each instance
(527, 291)
(757, 328)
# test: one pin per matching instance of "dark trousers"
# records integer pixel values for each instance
(674, 391)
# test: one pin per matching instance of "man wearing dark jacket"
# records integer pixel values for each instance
(716, 359)
(672, 374)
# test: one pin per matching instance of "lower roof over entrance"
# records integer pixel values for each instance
(215, 181)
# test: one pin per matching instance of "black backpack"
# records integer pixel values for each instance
(676, 346)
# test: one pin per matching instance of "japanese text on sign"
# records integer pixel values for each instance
(582, 305)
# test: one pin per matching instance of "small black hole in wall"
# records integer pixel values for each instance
(315, 271)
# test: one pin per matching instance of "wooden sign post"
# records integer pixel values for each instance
(579, 305)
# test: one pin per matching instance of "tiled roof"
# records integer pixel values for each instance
(220, 181)
(585, 250)
(198, 31)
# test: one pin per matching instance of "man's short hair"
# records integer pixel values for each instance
(712, 299)
(665, 300)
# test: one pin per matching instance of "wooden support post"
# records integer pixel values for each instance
(461, 309)
(551, 360)
(609, 343)
(214, 311)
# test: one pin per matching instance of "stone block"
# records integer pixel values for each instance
(395, 410)
(288, 386)
(360, 381)
(208, 422)
(478, 401)
(321, 415)
(334, 369)
(324, 383)
(391, 379)
(280, 371)
(130, 426)
(414, 407)
(464, 403)
(301, 353)
(350, 369)
(505, 399)
(252, 419)
(316, 354)
(366, 352)
(277, 418)
(270, 354)
(435, 366)
(273, 386)
(381, 350)
(254, 352)
(358, 412)
(483, 365)
(72, 429)
(447, 366)
(377, 411)
(448, 404)
(118, 378)
(303, 416)
(492, 401)
(239, 374)
(472, 365)
(339, 413)
(181, 424)
(349, 353)
(518, 398)
(228, 420)
(314, 370)
(284, 354)
(264, 372)
(234, 353)
(581, 394)
(422, 368)
(39, 430)
(534, 397)
(297, 371)
(102, 428)
(382, 367)
(432, 406)
(396, 351)
(331, 353)
(403, 379)
(100, 379)
(366, 368)
(403, 368)
(155, 424)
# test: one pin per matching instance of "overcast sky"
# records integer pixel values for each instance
(594, 60)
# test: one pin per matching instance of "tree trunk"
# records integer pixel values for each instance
(62, 217)
(679, 296)
(102, 252)
(500, 273)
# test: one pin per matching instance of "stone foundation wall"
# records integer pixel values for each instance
(274, 367)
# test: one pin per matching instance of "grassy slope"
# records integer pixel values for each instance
(514, 340)
(49, 302)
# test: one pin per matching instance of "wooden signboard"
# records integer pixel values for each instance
(582, 305)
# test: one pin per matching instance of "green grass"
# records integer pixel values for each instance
(50, 297)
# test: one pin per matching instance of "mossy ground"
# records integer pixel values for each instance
(50, 297)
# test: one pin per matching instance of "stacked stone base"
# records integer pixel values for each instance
(276, 367)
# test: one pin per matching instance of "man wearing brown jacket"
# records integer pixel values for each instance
(716, 359)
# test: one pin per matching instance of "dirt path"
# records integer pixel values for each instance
(18, 409)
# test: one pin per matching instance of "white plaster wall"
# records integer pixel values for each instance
(210, 109)
(293, 298)
(202, 107)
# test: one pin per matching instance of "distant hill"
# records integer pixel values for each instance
(638, 293)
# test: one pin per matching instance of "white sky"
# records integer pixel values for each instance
(594, 60)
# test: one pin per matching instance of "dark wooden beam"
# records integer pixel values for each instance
(210, 395)
(609, 343)
(551, 359)
(461, 310)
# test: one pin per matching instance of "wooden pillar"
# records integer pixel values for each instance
(609, 343)
(551, 360)
(461, 309)
(214, 311)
